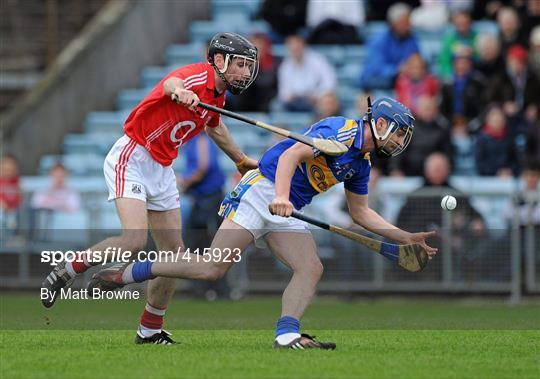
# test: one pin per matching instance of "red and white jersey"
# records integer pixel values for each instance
(163, 126)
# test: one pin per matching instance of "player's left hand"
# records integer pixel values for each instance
(248, 164)
(281, 206)
(420, 238)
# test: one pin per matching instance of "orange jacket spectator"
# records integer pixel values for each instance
(10, 190)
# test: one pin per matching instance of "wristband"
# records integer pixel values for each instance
(242, 161)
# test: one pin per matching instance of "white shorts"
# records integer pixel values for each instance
(247, 205)
(131, 172)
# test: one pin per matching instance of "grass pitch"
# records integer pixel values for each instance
(381, 339)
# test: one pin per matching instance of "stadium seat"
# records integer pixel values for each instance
(486, 26)
(65, 230)
(355, 54)
(129, 98)
(349, 73)
(150, 76)
(89, 143)
(249, 8)
(372, 29)
(292, 120)
(347, 96)
(105, 122)
(77, 164)
(333, 53)
(188, 53)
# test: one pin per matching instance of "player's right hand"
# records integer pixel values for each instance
(186, 98)
(281, 206)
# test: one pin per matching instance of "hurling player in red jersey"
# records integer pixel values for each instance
(139, 174)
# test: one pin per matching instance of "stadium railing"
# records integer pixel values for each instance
(498, 260)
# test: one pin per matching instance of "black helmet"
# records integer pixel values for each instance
(233, 45)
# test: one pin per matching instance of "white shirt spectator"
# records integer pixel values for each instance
(311, 77)
(58, 197)
(349, 12)
(59, 200)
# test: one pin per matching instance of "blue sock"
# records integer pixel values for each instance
(287, 324)
(142, 271)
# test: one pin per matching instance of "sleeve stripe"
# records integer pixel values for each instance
(193, 84)
(190, 81)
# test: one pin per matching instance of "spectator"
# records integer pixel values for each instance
(463, 149)
(518, 88)
(487, 9)
(303, 76)
(510, 31)
(389, 51)
(532, 15)
(490, 62)
(526, 206)
(532, 144)
(10, 190)
(334, 21)
(528, 202)
(431, 134)
(423, 210)
(431, 15)
(286, 17)
(203, 181)
(462, 97)
(495, 154)
(461, 35)
(534, 54)
(414, 82)
(327, 105)
(261, 92)
(58, 197)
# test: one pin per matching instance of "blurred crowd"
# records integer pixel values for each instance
(477, 102)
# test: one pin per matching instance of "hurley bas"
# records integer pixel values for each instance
(95, 294)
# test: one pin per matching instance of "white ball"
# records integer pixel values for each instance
(448, 202)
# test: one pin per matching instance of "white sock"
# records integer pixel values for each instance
(70, 271)
(127, 275)
(287, 338)
(145, 332)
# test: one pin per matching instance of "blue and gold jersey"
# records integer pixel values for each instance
(323, 171)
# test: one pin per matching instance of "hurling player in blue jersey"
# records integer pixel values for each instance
(290, 174)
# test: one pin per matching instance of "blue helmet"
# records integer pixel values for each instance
(398, 117)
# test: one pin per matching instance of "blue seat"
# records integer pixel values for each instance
(77, 164)
(292, 120)
(225, 6)
(61, 230)
(349, 73)
(105, 122)
(372, 29)
(203, 31)
(89, 143)
(355, 54)
(178, 55)
(334, 54)
(347, 96)
(129, 98)
(486, 26)
(150, 76)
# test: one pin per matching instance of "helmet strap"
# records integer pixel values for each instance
(379, 150)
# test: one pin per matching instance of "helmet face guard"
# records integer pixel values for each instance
(239, 83)
(390, 148)
(234, 47)
(398, 118)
